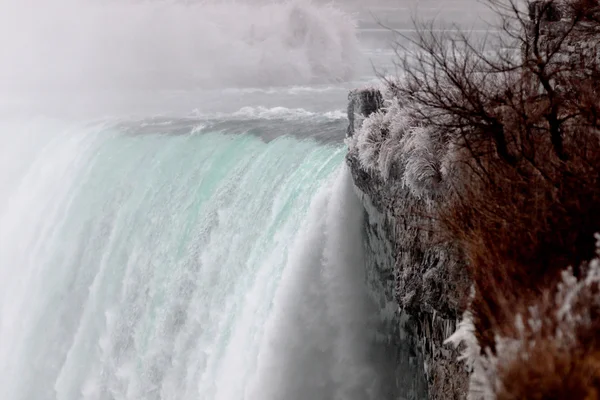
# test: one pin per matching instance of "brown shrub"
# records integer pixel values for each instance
(557, 355)
(552, 374)
(522, 221)
(523, 173)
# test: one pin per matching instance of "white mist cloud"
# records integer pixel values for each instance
(75, 45)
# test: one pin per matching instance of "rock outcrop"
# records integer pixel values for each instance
(420, 277)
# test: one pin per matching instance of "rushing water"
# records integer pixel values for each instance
(176, 220)
(201, 265)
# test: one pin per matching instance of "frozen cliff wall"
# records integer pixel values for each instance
(396, 170)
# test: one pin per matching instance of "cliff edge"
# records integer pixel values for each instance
(423, 276)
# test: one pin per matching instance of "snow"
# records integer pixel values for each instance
(390, 142)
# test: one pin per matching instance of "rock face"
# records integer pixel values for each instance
(421, 278)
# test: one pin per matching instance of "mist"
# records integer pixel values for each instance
(79, 45)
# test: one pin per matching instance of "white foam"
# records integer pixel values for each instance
(318, 336)
(272, 113)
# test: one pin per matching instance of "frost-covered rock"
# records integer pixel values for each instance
(398, 169)
(393, 145)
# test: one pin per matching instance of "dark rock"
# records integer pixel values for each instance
(361, 104)
(551, 11)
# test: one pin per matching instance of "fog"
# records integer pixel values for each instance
(68, 44)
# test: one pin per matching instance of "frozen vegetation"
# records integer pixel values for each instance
(484, 172)
(392, 143)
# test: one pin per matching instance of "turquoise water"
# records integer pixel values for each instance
(203, 265)
(176, 218)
